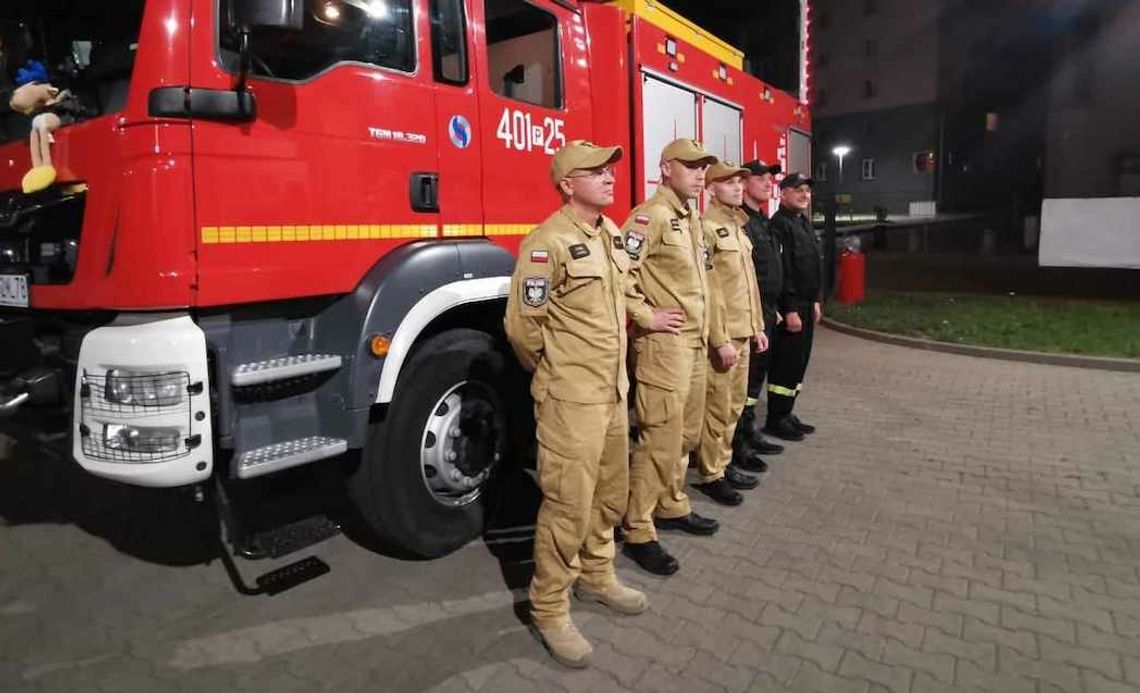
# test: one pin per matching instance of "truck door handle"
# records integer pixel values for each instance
(424, 191)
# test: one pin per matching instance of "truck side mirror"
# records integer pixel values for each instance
(268, 14)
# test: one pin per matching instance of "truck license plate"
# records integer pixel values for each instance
(14, 290)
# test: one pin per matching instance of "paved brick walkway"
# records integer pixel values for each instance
(956, 524)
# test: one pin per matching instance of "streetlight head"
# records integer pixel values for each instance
(841, 150)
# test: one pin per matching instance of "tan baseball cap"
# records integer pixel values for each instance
(687, 150)
(725, 169)
(581, 154)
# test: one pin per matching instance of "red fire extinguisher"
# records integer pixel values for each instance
(851, 275)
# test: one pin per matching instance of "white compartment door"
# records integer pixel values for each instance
(721, 126)
(668, 112)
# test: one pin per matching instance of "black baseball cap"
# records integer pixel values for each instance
(795, 179)
(758, 168)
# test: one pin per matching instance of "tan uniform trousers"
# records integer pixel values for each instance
(724, 401)
(670, 411)
(583, 471)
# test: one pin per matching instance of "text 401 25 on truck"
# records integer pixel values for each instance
(281, 230)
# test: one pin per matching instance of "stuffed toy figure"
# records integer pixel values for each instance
(42, 173)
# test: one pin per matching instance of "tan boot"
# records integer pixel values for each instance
(622, 599)
(566, 645)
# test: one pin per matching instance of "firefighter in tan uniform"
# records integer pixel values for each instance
(664, 239)
(566, 319)
(736, 323)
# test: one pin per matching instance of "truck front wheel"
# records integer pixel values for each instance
(429, 462)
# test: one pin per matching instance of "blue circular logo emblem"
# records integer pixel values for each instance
(460, 131)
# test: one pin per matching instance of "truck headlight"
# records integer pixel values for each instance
(144, 389)
(141, 438)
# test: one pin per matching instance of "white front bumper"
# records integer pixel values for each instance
(169, 347)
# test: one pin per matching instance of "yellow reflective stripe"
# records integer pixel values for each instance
(751, 402)
(212, 235)
(781, 390)
(799, 387)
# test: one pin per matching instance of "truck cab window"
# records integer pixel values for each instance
(448, 41)
(86, 48)
(376, 32)
(522, 53)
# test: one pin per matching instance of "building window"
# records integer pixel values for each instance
(868, 89)
(821, 171)
(448, 41)
(522, 53)
(868, 170)
(870, 48)
(870, 7)
(924, 162)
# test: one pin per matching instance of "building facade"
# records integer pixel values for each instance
(875, 102)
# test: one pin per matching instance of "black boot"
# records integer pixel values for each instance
(764, 446)
(650, 556)
(783, 429)
(690, 524)
(721, 492)
(749, 461)
(805, 428)
(748, 430)
(738, 479)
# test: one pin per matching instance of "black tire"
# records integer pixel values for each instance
(389, 488)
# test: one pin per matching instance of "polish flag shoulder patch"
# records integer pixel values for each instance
(642, 219)
(539, 256)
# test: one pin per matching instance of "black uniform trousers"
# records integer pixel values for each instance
(758, 363)
(789, 363)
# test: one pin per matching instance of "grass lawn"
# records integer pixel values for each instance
(1099, 328)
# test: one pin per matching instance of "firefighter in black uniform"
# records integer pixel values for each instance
(758, 189)
(800, 303)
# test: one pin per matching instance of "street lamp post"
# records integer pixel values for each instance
(840, 152)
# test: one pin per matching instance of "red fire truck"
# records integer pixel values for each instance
(282, 230)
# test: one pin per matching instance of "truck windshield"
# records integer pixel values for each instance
(85, 47)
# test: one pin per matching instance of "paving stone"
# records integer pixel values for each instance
(1013, 663)
(732, 678)
(805, 627)
(1106, 662)
(896, 679)
(950, 623)
(771, 664)
(888, 627)
(912, 594)
(941, 666)
(870, 646)
(825, 656)
(992, 506)
(1096, 683)
(981, 653)
(981, 610)
(971, 677)
(882, 605)
(812, 678)
(1023, 641)
(1058, 628)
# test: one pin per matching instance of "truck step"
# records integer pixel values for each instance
(286, 539)
(283, 368)
(290, 453)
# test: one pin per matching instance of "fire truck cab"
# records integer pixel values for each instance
(283, 230)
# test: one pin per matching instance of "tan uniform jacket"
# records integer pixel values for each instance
(736, 312)
(566, 312)
(664, 240)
